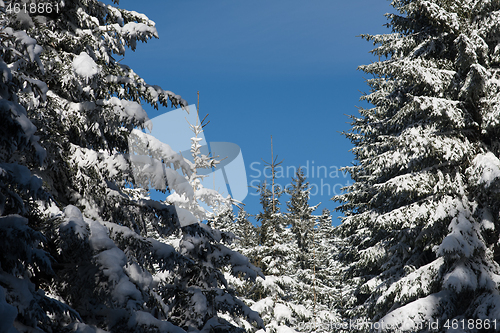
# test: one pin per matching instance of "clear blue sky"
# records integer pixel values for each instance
(284, 68)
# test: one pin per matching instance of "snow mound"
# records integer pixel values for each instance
(126, 109)
(9, 314)
(135, 30)
(141, 318)
(74, 222)
(487, 166)
(282, 312)
(285, 329)
(416, 313)
(85, 66)
(462, 277)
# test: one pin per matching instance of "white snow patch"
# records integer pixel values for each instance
(414, 284)
(285, 329)
(133, 29)
(22, 176)
(85, 66)
(74, 222)
(159, 151)
(140, 318)
(161, 249)
(83, 328)
(99, 238)
(489, 307)
(414, 314)
(487, 220)
(200, 302)
(282, 312)
(29, 43)
(488, 166)
(9, 314)
(112, 262)
(460, 278)
(125, 290)
(138, 275)
(263, 305)
(128, 110)
(462, 239)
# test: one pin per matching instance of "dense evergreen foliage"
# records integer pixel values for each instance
(422, 219)
(83, 246)
(300, 289)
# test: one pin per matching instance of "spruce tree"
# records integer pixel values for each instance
(324, 262)
(23, 262)
(329, 285)
(300, 218)
(274, 236)
(245, 231)
(275, 255)
(84, 247)
(422, 218)
(299, 291)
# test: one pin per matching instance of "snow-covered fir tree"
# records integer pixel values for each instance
(84, 248)
(224, 221)
(300, 218)
(324, 236)
(299, 290)
(327, 263)
(23, 263)
(275, 255)
(422, 218)
(314, 272)
(216, 203)
(244, 230)
(318, 285)
(270, 249)
(274, 236)
(241, 234)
